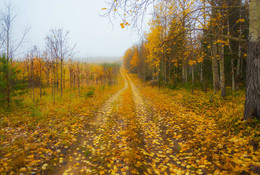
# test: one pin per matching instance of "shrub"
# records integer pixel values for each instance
(90, 93)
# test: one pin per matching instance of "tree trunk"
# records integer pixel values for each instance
(184, 72)
(184, 64)
(64, 78)
(202, 77)
(239, 54)
(54, 83)
(233, 74)
(192, 74)
(32, 78)
(40, 79)
(201, 65)
(215, 69)
(222, 71)
(8, 89)
(169, 70)
(71, 78)
(233, 81)
(48, 76)
(192, 77)
(57, 75)
(233, 84)
(61, 63)
(78, 72)
(252, 102)
(165, 70)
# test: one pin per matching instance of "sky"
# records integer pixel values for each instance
(93, 35)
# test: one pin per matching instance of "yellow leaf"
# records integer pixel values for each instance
(23, 169)
(122, 25)
(31, 156)
(216, 172)
(240, 20)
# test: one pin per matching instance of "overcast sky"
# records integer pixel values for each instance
(94, 35)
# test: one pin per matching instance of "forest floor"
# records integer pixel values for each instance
(139, 129)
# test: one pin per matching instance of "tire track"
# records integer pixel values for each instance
(158, 150)
(80, 160)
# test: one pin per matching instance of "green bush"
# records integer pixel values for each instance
(90, 93)
(8, 76)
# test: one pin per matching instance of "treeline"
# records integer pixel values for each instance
(45, 71)
(198, 43)
(40, 76)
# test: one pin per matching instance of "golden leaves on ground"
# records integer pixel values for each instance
(35, 140)
(141, 130)
(211, 135)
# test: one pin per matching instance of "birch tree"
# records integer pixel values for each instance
(252, 102)
(58, 45)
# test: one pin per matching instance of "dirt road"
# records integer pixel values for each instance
(123, 138)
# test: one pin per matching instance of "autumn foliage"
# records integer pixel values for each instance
(40, 124)
(60, 116)
(194, 43)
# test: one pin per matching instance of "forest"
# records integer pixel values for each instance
(183, 99)
(203, 46)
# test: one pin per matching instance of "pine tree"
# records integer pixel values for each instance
(8, 78)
